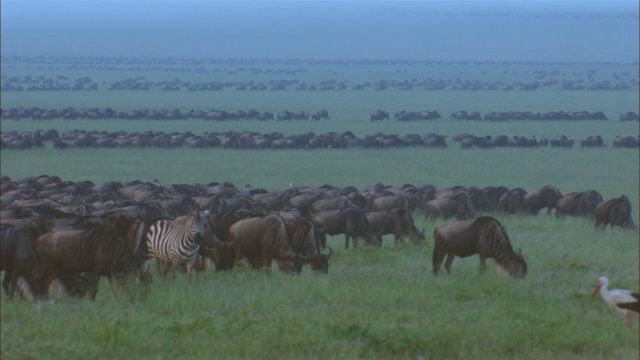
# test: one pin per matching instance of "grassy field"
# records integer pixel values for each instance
(375, 302)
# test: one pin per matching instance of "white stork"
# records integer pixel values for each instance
(622, 300)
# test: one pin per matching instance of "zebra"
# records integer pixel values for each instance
(175, 243)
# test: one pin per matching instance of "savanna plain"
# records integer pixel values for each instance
(374, 302)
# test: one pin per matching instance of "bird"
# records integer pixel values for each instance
(625, 301)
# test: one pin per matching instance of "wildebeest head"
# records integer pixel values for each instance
(321, 262)
(516, 266)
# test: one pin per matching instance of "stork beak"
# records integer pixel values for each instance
(595, 291)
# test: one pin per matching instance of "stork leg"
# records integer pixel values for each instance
(629, 320)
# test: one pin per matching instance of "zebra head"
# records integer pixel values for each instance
(198, 224)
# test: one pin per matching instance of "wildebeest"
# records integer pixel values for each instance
(458, 204)
(19, 259)
(260, 240)
(305, 238)
(578, 203)
(615, 211)
(102, 249)
(348, 221)
(545, 197)
(379, 115)
(511, 202)
(390, 202)
(397, 222)
(484, 236)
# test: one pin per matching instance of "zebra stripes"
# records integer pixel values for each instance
(174, 243)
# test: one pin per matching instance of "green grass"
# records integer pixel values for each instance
(375, 302)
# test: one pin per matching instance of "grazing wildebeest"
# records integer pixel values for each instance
(102, 249)
(397, 222)
(176, 243)
(615, 211)
(261, 240)
(545, 197)
(348, 221)
(305, 238)
(484, 236)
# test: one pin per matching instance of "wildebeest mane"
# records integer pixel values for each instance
(493, 236)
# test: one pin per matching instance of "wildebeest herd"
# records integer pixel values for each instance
(252, 114)
(73, 233)
(81, 139)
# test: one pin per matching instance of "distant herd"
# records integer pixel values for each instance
(76, 232)
(82, 139)
(252, 114)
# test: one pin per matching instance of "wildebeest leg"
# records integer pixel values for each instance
(116, 286)
(92, 283)
(438, 256)
(447, 264)
(8, 283)
(346, 241)
(483, 263)
(22, 285)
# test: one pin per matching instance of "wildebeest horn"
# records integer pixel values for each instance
(520, 251)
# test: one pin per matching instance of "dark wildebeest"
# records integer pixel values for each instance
(616, 211)
(261, 240)
(484, 236)
(397, 222)
(511, 202)
(458, 204)
(19, 259)
(107, 249)
(348, 221)
(222, 252)
(337, 202)
(545, 197)
(390, 202)
(578, 203)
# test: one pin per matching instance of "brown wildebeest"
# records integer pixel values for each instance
(484, 236)
(261, 240)
(304, 238)
(615, 211)
(578, 203)
(545, 197)
(397, 222)
(348, 221)
(107, 249)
